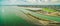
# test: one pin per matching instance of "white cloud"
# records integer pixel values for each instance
(29, 2)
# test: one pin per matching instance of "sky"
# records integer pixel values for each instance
(29, 2)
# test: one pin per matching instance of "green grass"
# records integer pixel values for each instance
(49, 10)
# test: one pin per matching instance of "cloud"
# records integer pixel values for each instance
(28, 2)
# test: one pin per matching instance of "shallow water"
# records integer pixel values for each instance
(8, 17)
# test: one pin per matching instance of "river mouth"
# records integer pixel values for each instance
(14, 15)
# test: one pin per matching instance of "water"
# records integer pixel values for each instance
(8, 17)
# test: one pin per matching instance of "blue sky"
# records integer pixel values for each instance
(26, 2)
